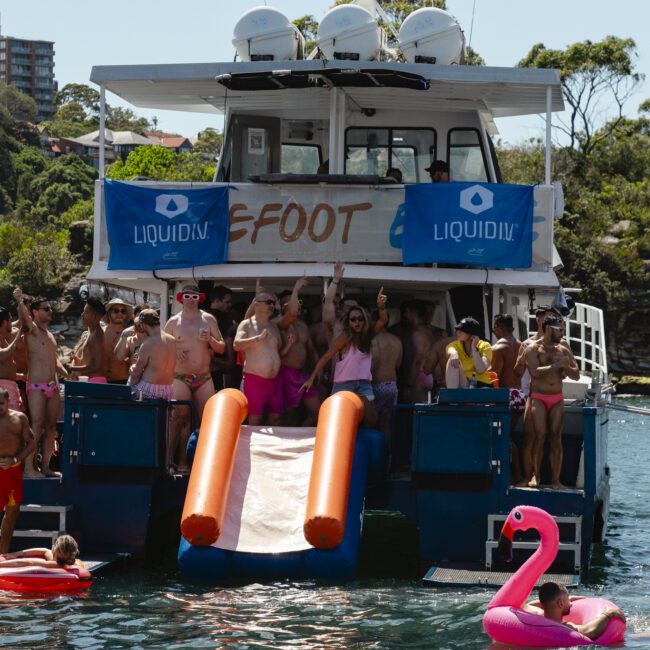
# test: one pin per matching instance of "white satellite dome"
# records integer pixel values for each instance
(266, 34)
(349, 32)
(431, 35)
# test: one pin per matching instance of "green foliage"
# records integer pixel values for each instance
(19, 105)
(210, 141)
(81, 95)
(124, 119)
(591, 74)
(157, 163)
(308, 27)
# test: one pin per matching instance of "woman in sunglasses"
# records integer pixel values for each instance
(353, 357)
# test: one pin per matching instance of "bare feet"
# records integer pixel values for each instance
(524, 483)
(533, 482)
(33, 473)
(556, 485)
(50, 473)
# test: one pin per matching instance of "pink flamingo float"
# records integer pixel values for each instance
(506, 622)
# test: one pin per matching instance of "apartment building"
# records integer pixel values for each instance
(29, 66)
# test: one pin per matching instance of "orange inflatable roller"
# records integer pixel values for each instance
(329, 484)
(207, 491)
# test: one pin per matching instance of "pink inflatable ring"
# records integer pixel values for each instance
(506, 622)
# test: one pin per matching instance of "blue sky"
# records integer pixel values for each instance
(142, 31)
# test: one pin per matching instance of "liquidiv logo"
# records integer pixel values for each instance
(171, 205)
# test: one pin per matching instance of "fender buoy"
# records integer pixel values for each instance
(37, 579)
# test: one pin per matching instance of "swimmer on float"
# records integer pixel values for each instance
(555, 603)
(63, 554)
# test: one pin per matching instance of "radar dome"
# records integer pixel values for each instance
(431, 35)
(349, 32)
(266, 34)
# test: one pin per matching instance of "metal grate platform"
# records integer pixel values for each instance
(450, 577)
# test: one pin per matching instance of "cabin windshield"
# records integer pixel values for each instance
(375, 151)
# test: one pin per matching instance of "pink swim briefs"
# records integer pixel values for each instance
(292, 379)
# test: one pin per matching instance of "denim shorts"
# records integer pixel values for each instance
(361, 387)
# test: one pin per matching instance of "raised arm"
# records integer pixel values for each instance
(293, 307)
(383, 315)
(140, 365)
(329, 310)
(23, 313)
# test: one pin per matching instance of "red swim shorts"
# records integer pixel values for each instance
(11, 486)
(263, 394)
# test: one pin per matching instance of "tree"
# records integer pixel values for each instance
(161, 164)
(210, 141)
(81, 94)
(591, 74)
(124, 119)
(308, 27)
(72, 112)
(19, 105)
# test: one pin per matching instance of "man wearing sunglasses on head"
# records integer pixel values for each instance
(549, 362)
(42, 387)
(118, 315)
(258, 338)
(197, 338)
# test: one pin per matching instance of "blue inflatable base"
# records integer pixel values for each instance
(207, 563)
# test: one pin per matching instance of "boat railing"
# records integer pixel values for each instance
(585, 333)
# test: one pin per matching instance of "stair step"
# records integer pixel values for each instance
(564, 546)
(37, 532)
(35, 507)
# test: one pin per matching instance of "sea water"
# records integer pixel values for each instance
(154, 609)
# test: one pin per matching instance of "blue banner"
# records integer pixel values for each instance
(154, 228)
(479, 224)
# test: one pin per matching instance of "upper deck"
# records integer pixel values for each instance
(357, 121)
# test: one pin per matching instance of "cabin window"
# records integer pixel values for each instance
(466, 156)
(375, 151)
(300, 158)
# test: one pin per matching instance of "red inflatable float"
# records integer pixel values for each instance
(37, 579)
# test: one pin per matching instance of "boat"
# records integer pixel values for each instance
(307, 146)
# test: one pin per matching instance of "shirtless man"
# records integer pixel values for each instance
(436, 362)
(259, 338)
(522, 370)
(555, 603)
(118, 314)
(152, 375)
(9, 338)
(298, 358)
(417, 347)
(42, 386)
(197, 339)
(223, 365)
(89, 355)
(386, 350)
(504, 357)
(16, 444)
(548, 362)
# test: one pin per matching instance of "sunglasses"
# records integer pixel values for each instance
(355, 319)
(557, 328)
(43, 308)
(191, 296)
(266, 302)
(118, 310)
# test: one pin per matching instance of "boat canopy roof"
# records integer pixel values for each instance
(279, 86)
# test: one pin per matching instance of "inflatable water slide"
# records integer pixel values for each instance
(267, 503)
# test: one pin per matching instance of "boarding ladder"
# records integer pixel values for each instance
(43, 511)
(495, 522)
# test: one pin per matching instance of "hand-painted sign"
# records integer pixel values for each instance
(155, 228)
(469, 223)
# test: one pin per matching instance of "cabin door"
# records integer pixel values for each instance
(255, 146)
